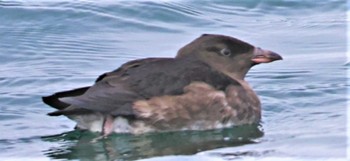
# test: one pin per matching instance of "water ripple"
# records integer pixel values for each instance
(49, 46)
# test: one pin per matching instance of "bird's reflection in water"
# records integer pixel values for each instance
(80, 144)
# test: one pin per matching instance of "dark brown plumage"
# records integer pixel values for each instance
(201, 88)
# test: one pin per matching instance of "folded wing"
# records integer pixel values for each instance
(115, 92)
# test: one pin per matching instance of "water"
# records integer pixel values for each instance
(50, 46)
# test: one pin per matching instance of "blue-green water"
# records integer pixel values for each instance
(50, 46)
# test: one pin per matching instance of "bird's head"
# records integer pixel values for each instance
(227, 54)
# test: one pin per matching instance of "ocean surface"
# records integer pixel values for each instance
(49, 46)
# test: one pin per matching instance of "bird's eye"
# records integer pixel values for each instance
(225, 52)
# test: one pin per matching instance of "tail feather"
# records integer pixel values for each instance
(55, 102)
(75, 111)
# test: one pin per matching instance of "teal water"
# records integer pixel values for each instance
(50, 46)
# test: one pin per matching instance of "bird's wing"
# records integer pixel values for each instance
(115, 93)
(55, 100)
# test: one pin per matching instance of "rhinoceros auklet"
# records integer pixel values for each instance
(202, 88)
